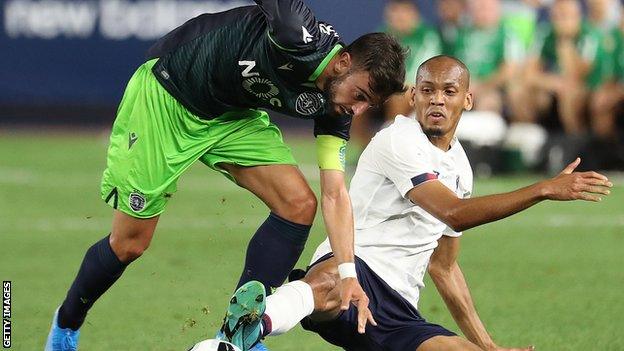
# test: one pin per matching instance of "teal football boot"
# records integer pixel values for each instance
(242, 325)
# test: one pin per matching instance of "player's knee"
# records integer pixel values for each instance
(130, 247)
(131, 251)
(300, 207)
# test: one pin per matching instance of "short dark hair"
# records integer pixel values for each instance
(445, 57)
(383, 58)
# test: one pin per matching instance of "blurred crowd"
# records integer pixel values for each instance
(547, 77)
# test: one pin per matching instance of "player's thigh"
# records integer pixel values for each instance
(256, 158)
(281, 187)
(447, 343)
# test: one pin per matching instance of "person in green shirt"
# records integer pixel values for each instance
(610, 94)
(564, 64)
(491, 51)
(452, 15)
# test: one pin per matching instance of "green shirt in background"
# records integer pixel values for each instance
(484, 50)
(615, 55)
(423, 43)
(589, 44)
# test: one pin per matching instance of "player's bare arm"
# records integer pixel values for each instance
(462, 214)
(338, 216)
(451, 284)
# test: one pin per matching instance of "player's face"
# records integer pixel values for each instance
(439, 98)
(350, 93)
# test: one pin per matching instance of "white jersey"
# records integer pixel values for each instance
(392, 235)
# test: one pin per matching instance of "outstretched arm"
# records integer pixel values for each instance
(449, 280)
(338, 216)
(462, 214)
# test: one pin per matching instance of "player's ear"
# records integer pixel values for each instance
(468, 102)
(343, 64)
(412, 96)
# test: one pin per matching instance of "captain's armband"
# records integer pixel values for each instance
(330, 152)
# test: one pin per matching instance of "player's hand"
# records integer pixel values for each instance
(351, 292)
(570, 185)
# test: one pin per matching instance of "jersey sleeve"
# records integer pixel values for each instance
(405, 161)
(292, 25)
(332, 125)
(465, 189)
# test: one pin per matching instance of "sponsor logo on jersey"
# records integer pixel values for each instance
(260, 87)
(309, 103)
(307, 37)
(136, 201)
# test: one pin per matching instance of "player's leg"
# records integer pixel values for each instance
(149, 149)
(277, 244)
(447, 343)
(316, 293)
(256, 158)
(103, 264)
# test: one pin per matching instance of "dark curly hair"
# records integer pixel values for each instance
(383, 58)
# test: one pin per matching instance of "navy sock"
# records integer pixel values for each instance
(99, 270)
(273, 251)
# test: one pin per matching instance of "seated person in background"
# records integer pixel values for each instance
(491, 50)
(404, 22)
(564, 64)
(411, 201)
(610, 95)
(451, 14)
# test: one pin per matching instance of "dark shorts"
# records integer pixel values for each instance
(399, 325)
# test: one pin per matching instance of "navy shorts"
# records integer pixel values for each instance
(399, 325)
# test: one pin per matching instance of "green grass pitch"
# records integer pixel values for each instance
(552, 276)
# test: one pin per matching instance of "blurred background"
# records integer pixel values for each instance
(547, 75)
(548, 80)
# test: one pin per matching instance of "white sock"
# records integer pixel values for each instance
(288, 305)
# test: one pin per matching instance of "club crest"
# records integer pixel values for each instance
(136, 202)
(309, 103)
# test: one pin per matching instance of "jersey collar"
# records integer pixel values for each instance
(317, 72)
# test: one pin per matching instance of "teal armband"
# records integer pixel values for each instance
(330, 152)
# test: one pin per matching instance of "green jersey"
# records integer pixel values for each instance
(265, 56)
(423, 43)
(588, 43)
(484, 50)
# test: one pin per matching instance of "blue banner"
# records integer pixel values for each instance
(82, 52)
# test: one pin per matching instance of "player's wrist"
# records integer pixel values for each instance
(347, 270)
(544, 190)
